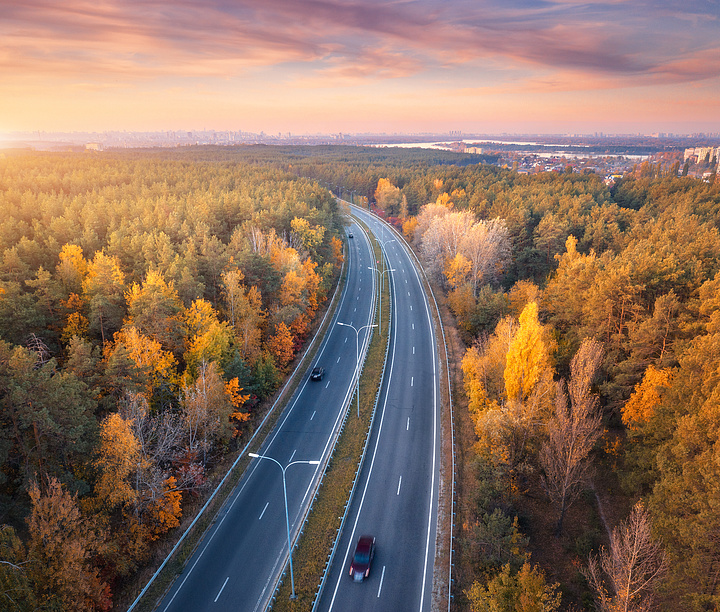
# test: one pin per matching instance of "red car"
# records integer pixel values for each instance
(362, 559)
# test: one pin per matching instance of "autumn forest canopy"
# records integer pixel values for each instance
(151, 300)
(146, 306)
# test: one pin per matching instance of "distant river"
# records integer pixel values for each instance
(559, 151)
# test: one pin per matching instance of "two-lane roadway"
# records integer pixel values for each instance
(397, 497)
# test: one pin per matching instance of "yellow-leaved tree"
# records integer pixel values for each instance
(457, 269)
(103, 289)
(117, 461)
(310, 237)
(388, 197)
(509, 381)
(640, 408)
(72, 268)
(208, 338)
(528, 369)
(156, 310)
(245, 313)
(158, 367)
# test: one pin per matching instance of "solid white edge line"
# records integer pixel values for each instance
(434, 447)
(435, 434)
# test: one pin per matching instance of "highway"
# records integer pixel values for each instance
(237, 563)
(397, 496)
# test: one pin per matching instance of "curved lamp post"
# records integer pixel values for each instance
(287, 518)
(357, 357)
(381, 285)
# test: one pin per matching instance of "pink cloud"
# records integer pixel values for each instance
(424, 49)
(210, 37)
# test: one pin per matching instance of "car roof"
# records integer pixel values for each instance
(365, 541)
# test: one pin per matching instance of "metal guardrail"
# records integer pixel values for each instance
(295, 538)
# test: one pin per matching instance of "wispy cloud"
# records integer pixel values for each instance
(457, 45)
(147, 38)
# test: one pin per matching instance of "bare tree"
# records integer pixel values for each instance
(634, 565)
(486, 245)
(572, 432)
(446, 233)
(441, 240)
(205, 411)
(158, 439)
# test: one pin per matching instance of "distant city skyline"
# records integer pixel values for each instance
(376, 66)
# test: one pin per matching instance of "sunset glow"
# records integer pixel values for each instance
(373, 66)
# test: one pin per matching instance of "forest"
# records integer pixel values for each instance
(590, 316)
(149, 300)
(147, 305)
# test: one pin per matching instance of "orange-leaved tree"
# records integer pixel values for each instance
(63, 544)
(238, 399)
(640, 408)
(336, 246)
(280, 345)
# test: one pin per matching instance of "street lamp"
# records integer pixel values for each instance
(381, 287)
(357, 357)
(287, 518)
(382, 244)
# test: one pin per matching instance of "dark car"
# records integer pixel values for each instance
(350, 235)
(362, 559)
(317, 373)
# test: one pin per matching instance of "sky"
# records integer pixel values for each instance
(352, 66)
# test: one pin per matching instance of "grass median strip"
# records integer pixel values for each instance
(315, 543)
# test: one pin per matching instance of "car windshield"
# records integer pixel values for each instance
(362, 556)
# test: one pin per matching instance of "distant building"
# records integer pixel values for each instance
(94, 146)
(700, 154)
